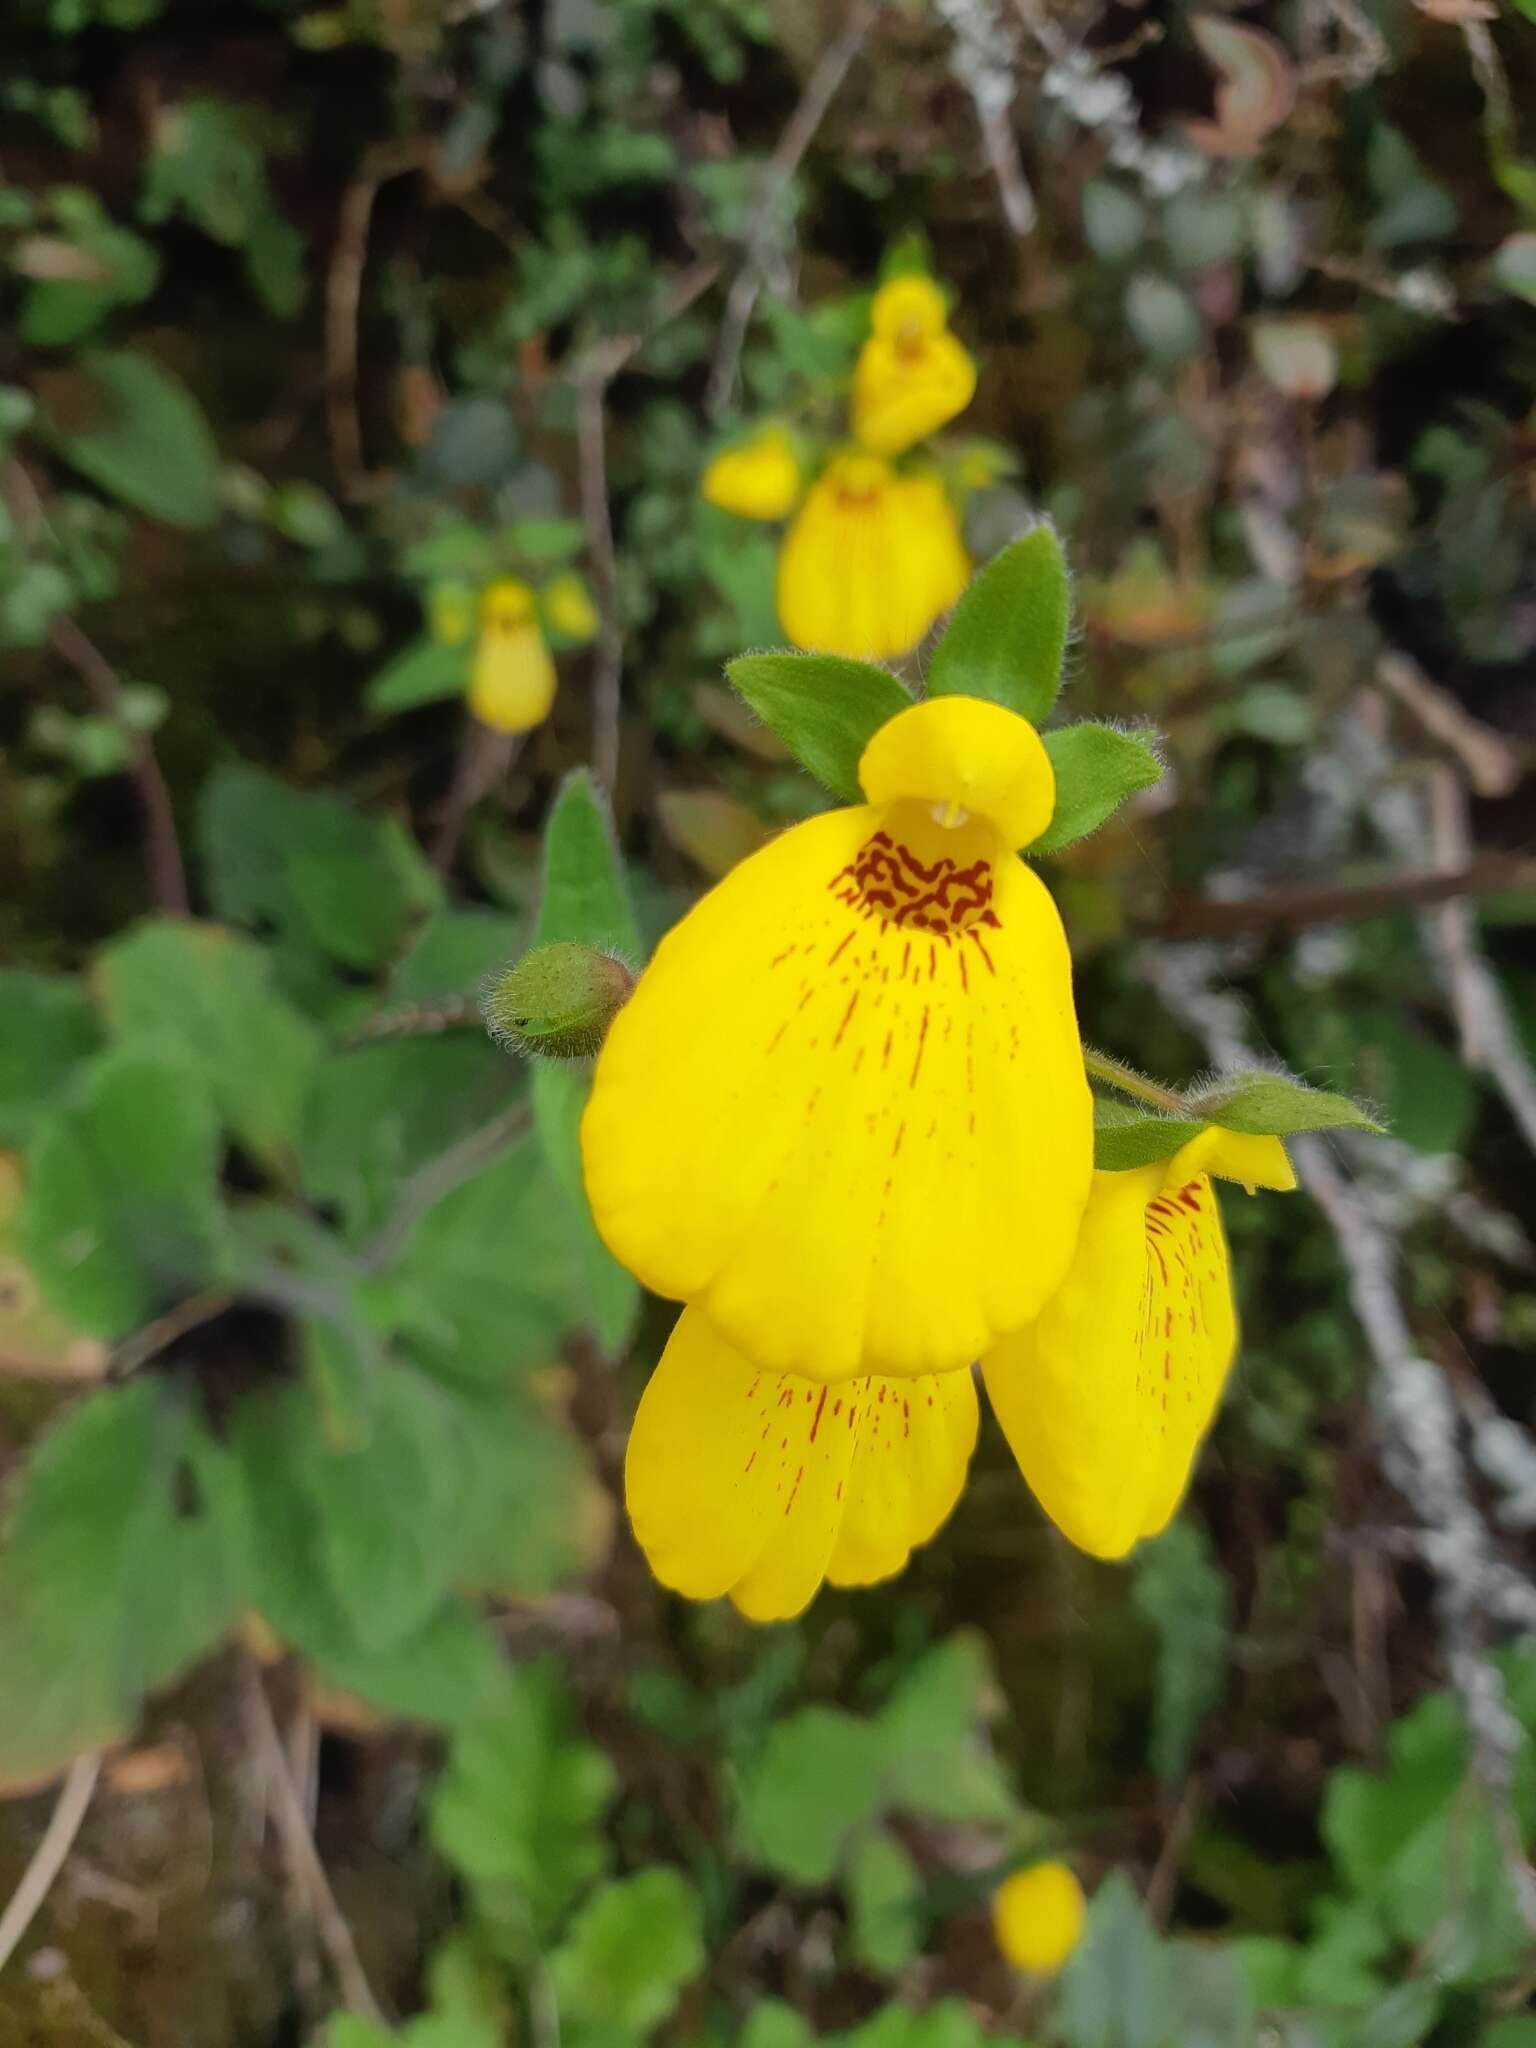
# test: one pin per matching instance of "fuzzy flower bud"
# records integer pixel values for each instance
(557, 1001)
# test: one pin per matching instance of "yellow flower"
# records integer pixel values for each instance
(912, 375)
(568, 608)
(512, 683)
(1105, 1399)
(871, 561)
(845, 1111)
(757, 1485)
(1038, 1916)
(759, 479)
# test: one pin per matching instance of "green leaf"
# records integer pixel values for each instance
(1274, 1106)
(331, 880)
(1117, 1990)
(389, 1504)
(449, 1670)
(629, 1951)
(63, 310)
(135, 430)
(585, 897)
(818, 1777)
(1114, 220)
(498, 1265)
(560, 1092)
(1008, 635)
(121, 1214)
(1124, 1138)
(519, 1807)
(824, 707)
(424, 673)
(47, 1027)
(546, 540)
(1097, 768)
(937, 1759)
(112, 1577)
(209, 993)
(1163, 318)
(1183, 1593)
(773, 2024)
(884, 1893)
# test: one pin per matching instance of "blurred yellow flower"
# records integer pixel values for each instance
(759, 479)
(568, 608)
(760, 1486)
(512, 682)
(1038, 1916)
(872, 559)
(845, 1111)
(1106, 1397)
(912, 376)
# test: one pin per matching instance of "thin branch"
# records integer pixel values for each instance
(1494, 763)
(485, 758)
(424, 1189)
(1298, 909)
(985, 59)
(343, 298)
(167, 871)
(608, 654)
(594, 373)
(299, 1845)
(50, 1854)
(137, 1350)
(1421, 1450)
(821, 89)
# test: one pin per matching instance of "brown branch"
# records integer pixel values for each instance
(1298, 909)
(304, 1859)
(821, 89)
(343, 298)
(49, 1857)
(594, 374)
(167, 870)
(1494, 763)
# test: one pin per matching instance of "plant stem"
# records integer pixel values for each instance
(1129, 1082)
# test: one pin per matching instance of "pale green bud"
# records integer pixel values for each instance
(557, 1001)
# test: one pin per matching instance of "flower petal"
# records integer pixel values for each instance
(965, 751)
(906, 387)
(512, 683)
(1106, 1397)
(870, 561)
(845, 1108)
(745, 1483)
(914, 1447)
(759, 479)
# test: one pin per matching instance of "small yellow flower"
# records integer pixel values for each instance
(1038, 1916)
(759, 479)
(760, 1486)
(568, 608)
(845, 1111)
(1106, 1398)
(512, 682)
(912, 375)
(871, 560)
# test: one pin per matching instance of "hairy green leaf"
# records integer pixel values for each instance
(824, 707)
(1097, 768)
(1008, 635)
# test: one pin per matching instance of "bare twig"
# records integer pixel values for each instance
(1493, 763)
(1298, 909)
(608, 654)
(820, 90)
(136, 1351)
(49, 1856)
(299, 1846)
(985, 61)
(1421, 1452)
(424, 1189)
(418, 1020)
(167, 872)
(343, 297)
(595, 372)
(484, 759)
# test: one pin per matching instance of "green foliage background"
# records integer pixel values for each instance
(314, 1375)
